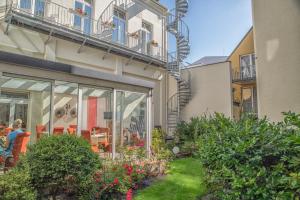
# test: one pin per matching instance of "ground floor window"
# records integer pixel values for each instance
(28, 100)
(131, 120)
(109, 119)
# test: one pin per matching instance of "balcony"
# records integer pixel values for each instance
(76, 25)
(247, 74)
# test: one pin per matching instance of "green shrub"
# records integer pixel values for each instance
(62, 165)
(252, 158)
(187, 133)
(159, 147)
(16, 185)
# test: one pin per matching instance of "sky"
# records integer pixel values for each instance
(216, 26)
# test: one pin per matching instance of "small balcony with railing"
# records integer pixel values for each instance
(76, 24)
(246, 74)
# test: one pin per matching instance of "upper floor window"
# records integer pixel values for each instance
(119, 30)
(146, 37)
(82, 17)
(247, 64)
(38, 5)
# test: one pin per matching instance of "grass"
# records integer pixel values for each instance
(184, 181)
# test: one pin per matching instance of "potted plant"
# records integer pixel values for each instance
(154, 43)
(134, 34)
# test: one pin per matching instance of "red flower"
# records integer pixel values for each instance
(129, 194)
(116, 181)
(129, 170)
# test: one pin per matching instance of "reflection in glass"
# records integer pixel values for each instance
(28, 100)
(131, 119)
(65, 108)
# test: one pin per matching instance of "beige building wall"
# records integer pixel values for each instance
(277, 47)
(211, 91)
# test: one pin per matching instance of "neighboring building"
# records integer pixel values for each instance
(244, 93)
(276, 26)
(84, 66)
(210, 87)
(265, 69)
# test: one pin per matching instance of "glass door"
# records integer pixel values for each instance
(249, 100)
(119, 27)
(146, 38)
(131, 120)
(39, 9)
(95, 123)
(248, 66)
(87, 20)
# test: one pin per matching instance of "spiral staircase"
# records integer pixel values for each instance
(177, 27)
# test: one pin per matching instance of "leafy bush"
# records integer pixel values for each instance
(16, 185)
(187, 133)
(62, 165)
(159, 147)
(251, 159)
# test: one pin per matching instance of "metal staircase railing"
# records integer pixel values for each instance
(177, 27)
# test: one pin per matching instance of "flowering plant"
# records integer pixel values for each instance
(117, 179)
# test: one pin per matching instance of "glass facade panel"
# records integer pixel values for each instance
(96, 118)
(84, 111)
(65, 108)
(28, 100)
(131, 120)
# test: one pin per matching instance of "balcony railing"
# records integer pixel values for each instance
(79, 22)
(245, 74)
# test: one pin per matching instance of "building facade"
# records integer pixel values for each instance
(265, 68)
(84, 67)
(243, 73)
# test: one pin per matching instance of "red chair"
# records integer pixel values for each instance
(40, 129)
(7, 130)
(86, 134)
(20, 147)
(71, 131)
(58, 130)
(73, 126)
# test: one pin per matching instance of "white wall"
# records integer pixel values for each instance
(211, 91)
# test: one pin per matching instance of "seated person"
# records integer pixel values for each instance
(7, 148)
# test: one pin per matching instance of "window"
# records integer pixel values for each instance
(119, 30)
(248, 66)
(65, 108)
(249, 100)
(39, 9)
(131, 120)
(82, 20)
(146, 38)
(25, 99)
(25, 5)
(96, 118)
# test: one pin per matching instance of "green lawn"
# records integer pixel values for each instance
(183, 182)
